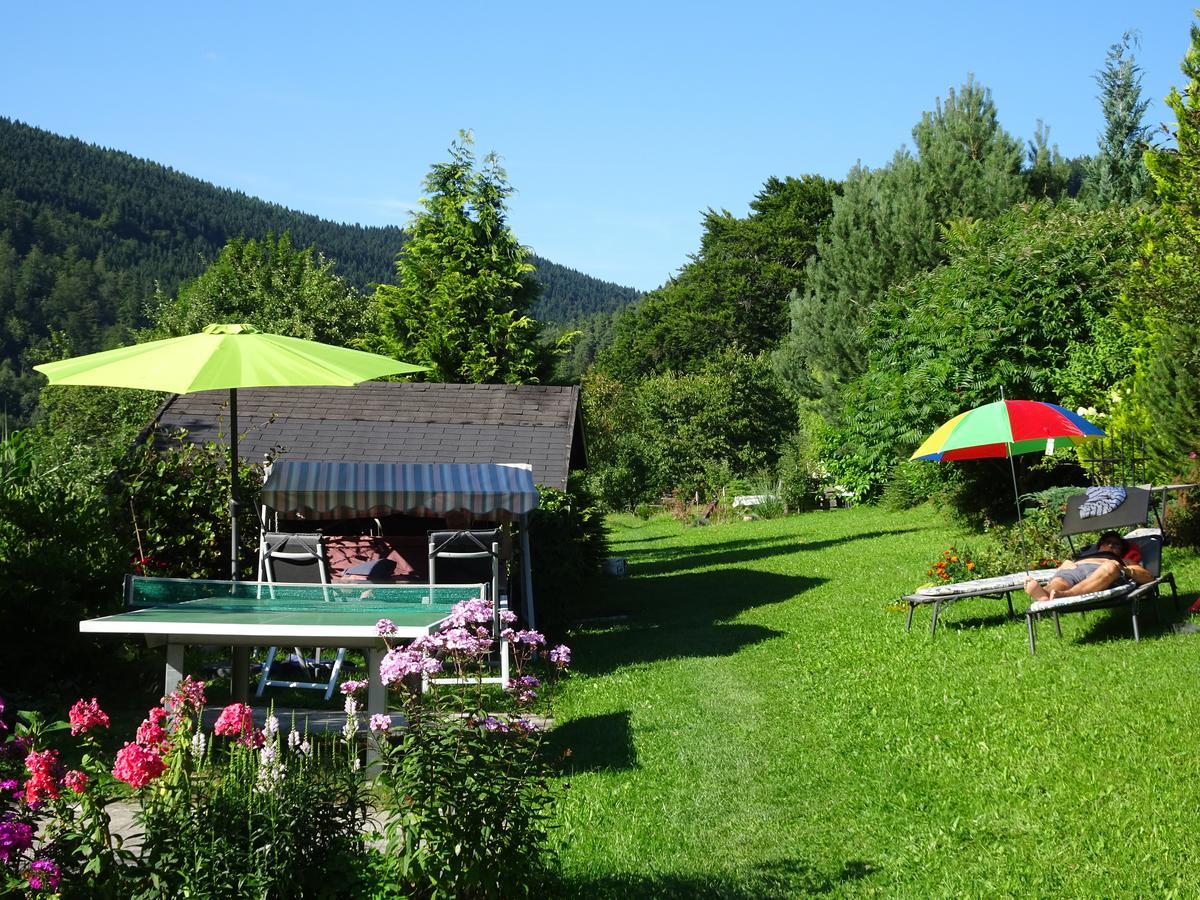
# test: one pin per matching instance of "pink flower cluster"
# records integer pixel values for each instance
(401, 662)
(529, 638)
(467, 613)
(86, 715)
(76, 781)
(380, 722)
(41, 784)
(350, 688)
(151, 732)
(138, 765)
(187, 699)
(561, 656)
(15, 836)
(524, 689)
(237, 720)
(44, 875)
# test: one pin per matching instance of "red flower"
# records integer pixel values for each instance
(235, 720)
(86, 715)
(138, 765)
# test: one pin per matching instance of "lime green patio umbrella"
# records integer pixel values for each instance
(225, 357)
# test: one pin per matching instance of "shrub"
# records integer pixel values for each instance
(466, 790)
(568, 544)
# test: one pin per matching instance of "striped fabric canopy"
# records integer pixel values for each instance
(345, 490)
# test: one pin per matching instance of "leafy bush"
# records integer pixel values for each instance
(568, 544)
(955, 565)
(465, 790)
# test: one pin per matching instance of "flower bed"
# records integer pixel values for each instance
(460, 802)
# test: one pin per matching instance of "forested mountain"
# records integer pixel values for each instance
(87, 233)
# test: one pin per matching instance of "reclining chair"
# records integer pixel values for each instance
(296, 559)
(1149, 541)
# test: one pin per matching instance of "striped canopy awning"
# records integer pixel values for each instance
(345, 490)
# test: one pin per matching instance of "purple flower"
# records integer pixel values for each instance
(525, 688)
(491, 723)
(380, 722)
(43, 874)
(533, 638)
(466, 613)
(15, 836)
(385, 627)
(561, 656)
(10, 786)
(402, 662)
(352, 687)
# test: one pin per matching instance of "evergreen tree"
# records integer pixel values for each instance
(886, 227)
(464, 283)
(733, 292)
(1165, 289)
(1117, 174)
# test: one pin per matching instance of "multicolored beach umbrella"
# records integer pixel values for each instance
(1006, 428)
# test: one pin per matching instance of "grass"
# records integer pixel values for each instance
(763, 726)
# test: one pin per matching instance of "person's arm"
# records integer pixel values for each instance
(1140, 574)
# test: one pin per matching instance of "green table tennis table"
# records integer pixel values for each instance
(180, 612)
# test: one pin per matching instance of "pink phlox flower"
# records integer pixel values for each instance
(254, 739)
(532, 638)
(76, 781)
(43, 875)
(507, 617)
(507, 634)
(459, 640)
(187, 698)
(86, 715)
(235, 720)
(466, 613)
(137, 765)
(380, 722)
(524, 688)
(561, 656)
(352, 687)
(15, 836)
(491, 723)
(42, 783)
(402, 662)
(385, 627)
(151, 732)
(522, 724)
(10, 786)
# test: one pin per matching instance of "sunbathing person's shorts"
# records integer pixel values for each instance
(1077, 573)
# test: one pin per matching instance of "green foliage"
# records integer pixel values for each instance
(464, 283)
(1117, 174)
(1018, 297)
(568, 544)
(272, 286)
(1165, 288)
(734, 290)
(687, 433)
(886, 227)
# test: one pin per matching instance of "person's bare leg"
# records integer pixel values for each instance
(1105, 576)
(1035, 590)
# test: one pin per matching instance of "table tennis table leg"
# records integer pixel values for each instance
(240, 687)
(174, 669)
(376, 700)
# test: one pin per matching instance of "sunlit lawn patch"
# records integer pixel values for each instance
(762, 725)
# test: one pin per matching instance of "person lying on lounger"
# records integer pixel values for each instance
(1096, 570)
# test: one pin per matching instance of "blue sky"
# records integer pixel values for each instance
(619, 123)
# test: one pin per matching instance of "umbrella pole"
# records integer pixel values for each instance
(233, 486)
(1020, 520)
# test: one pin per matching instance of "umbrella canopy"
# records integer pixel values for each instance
(1006, 428)
(224, 357)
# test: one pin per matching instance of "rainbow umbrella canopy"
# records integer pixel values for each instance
(1007, 428)
(225, 357)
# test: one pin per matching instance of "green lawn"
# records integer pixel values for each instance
(762, 726)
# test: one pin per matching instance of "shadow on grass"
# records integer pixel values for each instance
(786, 878)
(662, 562)
(1156, 619)
(602, 743)
(685, 615)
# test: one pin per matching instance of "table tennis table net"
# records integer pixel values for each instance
(148, 592)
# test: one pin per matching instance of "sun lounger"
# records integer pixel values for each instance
(1150, 542)
(941, 595)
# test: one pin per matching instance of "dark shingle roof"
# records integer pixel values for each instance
(396, 422)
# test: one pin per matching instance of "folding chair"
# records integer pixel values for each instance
(297, 559)
(473, 557)
(1135, 510)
